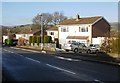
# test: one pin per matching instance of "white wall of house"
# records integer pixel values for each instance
(53, 34)
(98, 40)
(26, 36)
(73, 30)
(4, 37)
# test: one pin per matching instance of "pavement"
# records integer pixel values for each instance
(23, 65)
(99, 57)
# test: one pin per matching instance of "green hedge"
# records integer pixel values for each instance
(9, 42)
(38, 40)
(47, 39)
(30, 40)
(6, 41)
(34, 39)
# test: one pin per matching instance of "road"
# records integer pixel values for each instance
(21, 65)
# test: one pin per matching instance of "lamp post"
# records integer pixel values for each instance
(42, 46)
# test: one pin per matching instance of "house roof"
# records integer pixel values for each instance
(54, 28)
(86, 20)
(77, 37)
(28, 31)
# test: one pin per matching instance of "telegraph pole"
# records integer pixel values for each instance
(42, 48)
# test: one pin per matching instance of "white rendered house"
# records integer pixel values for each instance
(53, 32)
(88, 30)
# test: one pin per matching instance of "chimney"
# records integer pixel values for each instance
(77, 17)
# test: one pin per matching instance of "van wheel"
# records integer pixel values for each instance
(75, 50)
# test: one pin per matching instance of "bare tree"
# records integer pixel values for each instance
(49, 19)
(46, 19)
(57, 17)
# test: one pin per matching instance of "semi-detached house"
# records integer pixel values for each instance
(88, 30)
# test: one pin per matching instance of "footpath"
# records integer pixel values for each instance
(99, 57)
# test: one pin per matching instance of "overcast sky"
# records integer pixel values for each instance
(17, 13)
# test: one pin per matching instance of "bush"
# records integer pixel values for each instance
(34, 40)
(6, 41)
(10, 42)
(21, 41)
(115, 46)
(38, 40)
(30, 40)
(47, 39)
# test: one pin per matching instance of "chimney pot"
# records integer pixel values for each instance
(77, 17)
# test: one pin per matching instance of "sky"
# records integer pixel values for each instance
(19, 13)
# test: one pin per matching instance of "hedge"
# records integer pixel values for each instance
(9, 41)
(47, 39)
(38, 40)
(34, 40)
(30, 40)
(6, 41)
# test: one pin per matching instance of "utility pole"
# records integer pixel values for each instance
(42, 41)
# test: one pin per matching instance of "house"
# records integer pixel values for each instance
(11, 36)
(88, 30)
(53, 32)
(27, 33)
(4, 37)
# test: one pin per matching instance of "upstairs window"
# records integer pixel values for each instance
(83, 29)
(51, 33)
(65, 29)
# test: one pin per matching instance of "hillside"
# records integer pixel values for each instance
(114, 26)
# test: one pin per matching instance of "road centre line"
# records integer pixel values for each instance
(69, 59)
(32, 59)
(98, 81)
(60, 69)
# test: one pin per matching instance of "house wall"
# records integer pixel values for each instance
(4, 37)
(73, 30)
(98, 40)
(53, 36)
(26, 36)
(100, 28)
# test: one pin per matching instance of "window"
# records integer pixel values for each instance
(65, 29)
(51, 33)
(79, 29)
(83, 29)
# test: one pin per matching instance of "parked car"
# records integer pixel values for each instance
(76, 47)
(93, 48)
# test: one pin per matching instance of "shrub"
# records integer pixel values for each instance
(30, 40)
(38, 40)
(21, 41)
(10, 42)
(6, 41)
(47, 39)
(34, 40)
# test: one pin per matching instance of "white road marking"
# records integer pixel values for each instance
(69, 59)
(5, 50)
(18, 54)
(25, 49)
(98, 81)
(14, 48)
(60, 69)
(13, 52)
(32, 59)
